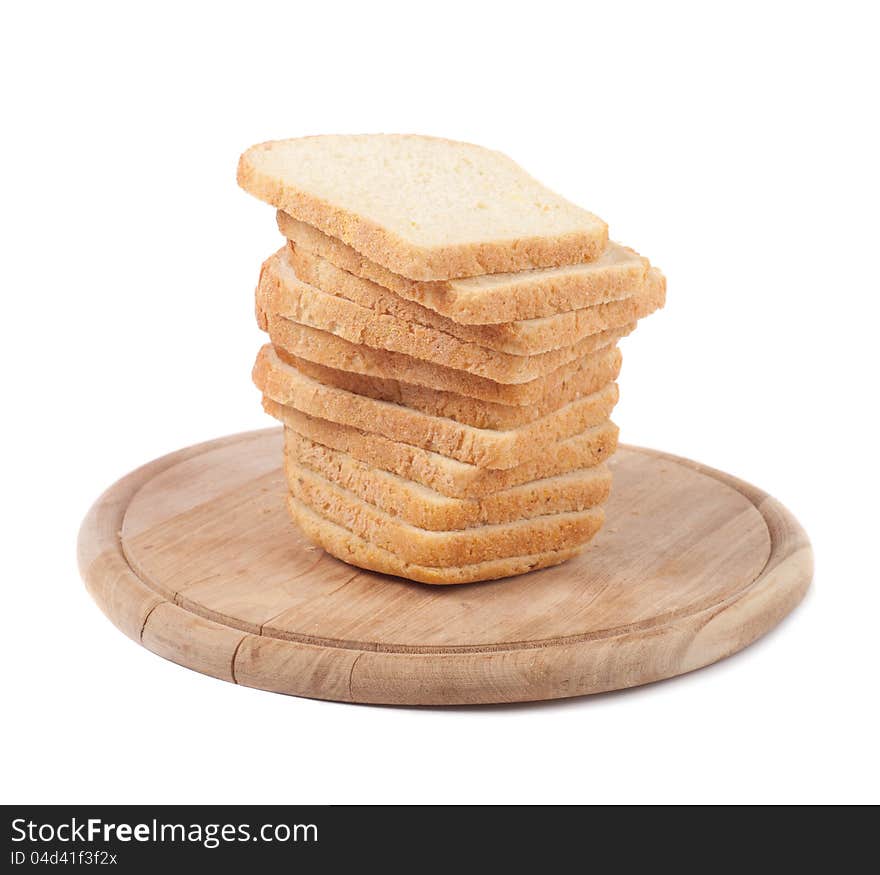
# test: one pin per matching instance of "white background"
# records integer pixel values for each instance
(737, 149)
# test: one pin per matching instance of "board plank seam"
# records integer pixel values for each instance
(234, 657)
(149, 613)
(351, 676)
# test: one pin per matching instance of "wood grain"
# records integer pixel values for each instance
(194, 556)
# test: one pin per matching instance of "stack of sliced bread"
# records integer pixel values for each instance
(443, 353)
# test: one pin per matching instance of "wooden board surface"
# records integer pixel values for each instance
(194, 557)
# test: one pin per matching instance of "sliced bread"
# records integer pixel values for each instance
(283, 294)
(488, 448)
(350, 548)
(426, 508)
(558, 531)
(494, 298)
(326, 348)
(525, 337)
(423, 207)
(480, 414)
(442, 474)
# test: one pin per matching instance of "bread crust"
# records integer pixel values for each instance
(557, 531)
(281, 292)
(349, 548)
(443, 474)
(519, 338)
(489, 300)
(408, 257)
(297, 341)
(486, 448)
(426, 508)
(461, 408)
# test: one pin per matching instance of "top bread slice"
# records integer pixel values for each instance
(498, 298)
(423, 207)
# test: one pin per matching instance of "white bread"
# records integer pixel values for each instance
(461, 408)
(442, 474)
(487, 448)
(350, 548)
(282, 293)
(494, 298)
(423, 207)
(556, 531)
(426, 508)
(523, 337)
(332, 351)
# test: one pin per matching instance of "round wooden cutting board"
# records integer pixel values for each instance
(194, 557)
